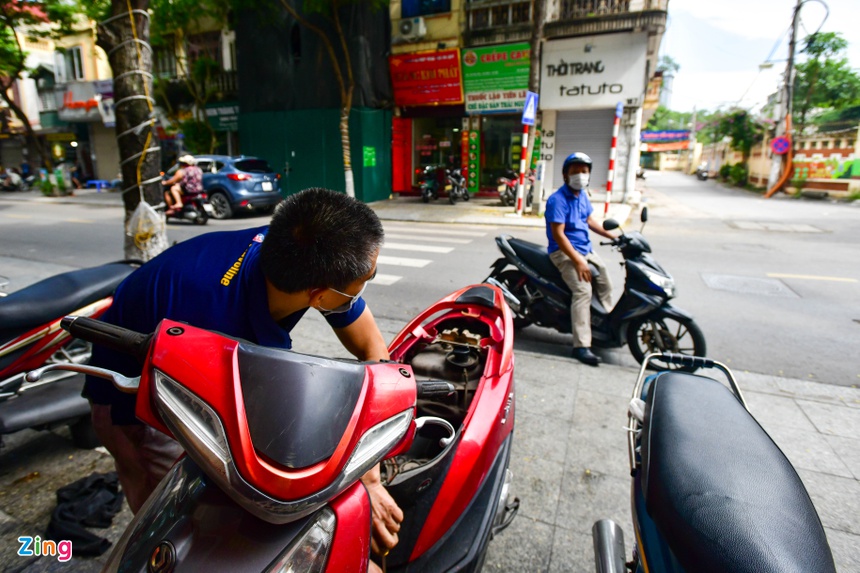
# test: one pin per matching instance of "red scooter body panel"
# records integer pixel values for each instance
(44, 340)
(350, 549)
(200, 359)
(491, 414)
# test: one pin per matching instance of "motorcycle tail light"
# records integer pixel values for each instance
(309, 552)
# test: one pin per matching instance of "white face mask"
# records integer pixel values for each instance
(578, 181)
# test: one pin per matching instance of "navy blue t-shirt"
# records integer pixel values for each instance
(213, 281)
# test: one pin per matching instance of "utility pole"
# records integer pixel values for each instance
(539, 19)
(691, 151)
(777, 172)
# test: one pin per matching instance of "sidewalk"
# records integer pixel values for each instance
(477, 211)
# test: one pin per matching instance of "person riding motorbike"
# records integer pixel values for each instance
(568, 219)
(187, 179)
(319, 251)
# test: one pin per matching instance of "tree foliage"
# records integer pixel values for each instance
(824, 80)
(668, 64)
(743, 129)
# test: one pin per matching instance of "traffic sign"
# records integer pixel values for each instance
(530, 108)
(780, 145)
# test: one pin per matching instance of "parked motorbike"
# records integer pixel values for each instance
(507, 188)
(643, 318)
(429, 182)
(195, 208)
(277, 442)
(711, 492)
(702, 172)
(30, 336)
(640, 172)
(457, 184)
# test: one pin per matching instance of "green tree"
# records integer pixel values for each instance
(668, 64)
(825, 80)
(664, 118)
(45, 19)
(743, 129)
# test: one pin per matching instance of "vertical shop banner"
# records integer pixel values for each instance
(426, 78)
(495, 79)
(473, 146)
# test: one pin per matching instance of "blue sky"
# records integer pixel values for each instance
(720, 44)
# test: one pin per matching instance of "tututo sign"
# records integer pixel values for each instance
(594, 72)
(426, 78)
(495, 79)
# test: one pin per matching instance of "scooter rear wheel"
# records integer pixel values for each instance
(663, 333)
(514, 281)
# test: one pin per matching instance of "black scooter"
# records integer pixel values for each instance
(458, 186)
(642, 317)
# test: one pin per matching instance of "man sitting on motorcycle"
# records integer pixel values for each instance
(188, 179)
(319, 251)
(568, 219)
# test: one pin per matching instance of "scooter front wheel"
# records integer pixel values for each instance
(662, 333)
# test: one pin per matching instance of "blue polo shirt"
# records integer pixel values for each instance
(572, 210)
(213, 281)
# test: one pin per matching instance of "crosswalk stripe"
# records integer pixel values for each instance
(427, 231)
(417, 248)
(431, 239)
(385, 280)
(403, 262)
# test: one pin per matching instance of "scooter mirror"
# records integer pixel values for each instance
(610, 224)
(644, 215)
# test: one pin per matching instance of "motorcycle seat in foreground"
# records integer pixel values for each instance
(718, 488)
(53, 404)
(56, 296)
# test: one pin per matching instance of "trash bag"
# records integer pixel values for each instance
(147, 229)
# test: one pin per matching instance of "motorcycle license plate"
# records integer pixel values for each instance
(208, 208)
(502, 188)
(267, 185)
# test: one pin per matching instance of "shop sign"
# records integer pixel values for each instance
(426, 78)
(223, 116)
(495, 79)
(665, 135)
(671, 146)
(62, 136)
(86, 102)
(594, 72)
(470, 151)
(369, 156)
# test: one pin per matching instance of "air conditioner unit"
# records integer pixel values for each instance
(411, 29)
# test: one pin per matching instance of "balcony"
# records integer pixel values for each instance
(499, 21)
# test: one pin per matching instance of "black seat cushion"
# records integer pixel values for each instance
(58, 296)
(45, 404)
(537, 258)
(719, 489)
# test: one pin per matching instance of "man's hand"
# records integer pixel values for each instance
(386, 515)
(582, 270)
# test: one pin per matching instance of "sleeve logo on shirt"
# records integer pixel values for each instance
(259, 238)
(233, 270)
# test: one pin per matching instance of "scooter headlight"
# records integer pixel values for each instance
(309, 552)
(667, 283)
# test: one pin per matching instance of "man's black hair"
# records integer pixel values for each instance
(319, 239)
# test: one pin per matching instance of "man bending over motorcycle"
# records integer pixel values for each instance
(568, 219)
(188, 179)
(319, 251)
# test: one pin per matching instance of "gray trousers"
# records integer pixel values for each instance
(580, 307)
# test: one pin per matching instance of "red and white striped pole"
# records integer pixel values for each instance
(521, 191)
(619, 109)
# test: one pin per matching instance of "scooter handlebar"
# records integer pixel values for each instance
(114, 337)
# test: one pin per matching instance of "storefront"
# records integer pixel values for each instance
(495, 80)
(429, 94)
(90, 141)
(583, 81)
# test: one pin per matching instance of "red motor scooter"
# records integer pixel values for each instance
(30, 336)
(277, 442)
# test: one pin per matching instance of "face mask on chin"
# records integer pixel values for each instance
(578, 181)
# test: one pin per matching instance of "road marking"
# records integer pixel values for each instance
(431, 239)
(385, 280)
(417, 248)
(14, 216)
(403, 262)
(85, 221)
(811, 278)
(427, 231)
